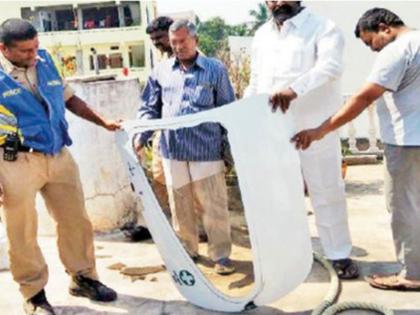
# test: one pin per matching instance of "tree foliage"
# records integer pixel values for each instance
(213, 34)
(261, 15)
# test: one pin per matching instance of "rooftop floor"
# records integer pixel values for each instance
(369, 223)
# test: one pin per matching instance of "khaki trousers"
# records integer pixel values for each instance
(57, 178)
(198, 189)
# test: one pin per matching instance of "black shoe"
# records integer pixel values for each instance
(38, 305)
(92, 289)
(195, 257)
(138, 233)
(346, 268)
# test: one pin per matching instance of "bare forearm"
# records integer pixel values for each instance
(78, 107)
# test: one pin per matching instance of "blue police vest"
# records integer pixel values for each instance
(41, 126)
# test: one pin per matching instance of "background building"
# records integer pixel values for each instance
(74, 31)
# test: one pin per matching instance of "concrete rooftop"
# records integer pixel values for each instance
(156, 295)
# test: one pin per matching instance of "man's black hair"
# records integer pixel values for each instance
(370, 20)
(161, 23)
(16, 30)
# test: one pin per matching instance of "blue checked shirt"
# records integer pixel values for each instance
(172, 91)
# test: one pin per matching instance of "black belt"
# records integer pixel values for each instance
(23, 148)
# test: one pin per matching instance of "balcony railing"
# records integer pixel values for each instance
(84, 16)
(93, 31)
(363, 127)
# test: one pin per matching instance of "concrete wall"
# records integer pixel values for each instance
(109, 200)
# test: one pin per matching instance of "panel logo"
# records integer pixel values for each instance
(184, 277)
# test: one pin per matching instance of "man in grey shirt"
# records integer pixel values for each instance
(395, 82)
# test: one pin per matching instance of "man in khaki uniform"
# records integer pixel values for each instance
(34, 158)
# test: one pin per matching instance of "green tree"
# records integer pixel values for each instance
(213, 35)
(261, 15)
(239, 30)
(213, 41)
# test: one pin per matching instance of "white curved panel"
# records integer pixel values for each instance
(4, 259)
(272, 191)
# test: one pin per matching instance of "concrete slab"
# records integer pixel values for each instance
(156, 295)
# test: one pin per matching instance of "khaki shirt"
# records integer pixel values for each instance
(28, 78)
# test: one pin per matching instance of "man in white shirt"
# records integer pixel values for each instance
(297, 58)
(395, 83)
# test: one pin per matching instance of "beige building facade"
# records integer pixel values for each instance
(85, 35)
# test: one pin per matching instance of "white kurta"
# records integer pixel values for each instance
(306, 55)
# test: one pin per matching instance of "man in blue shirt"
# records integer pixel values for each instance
(192, 157)
(34, 158)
